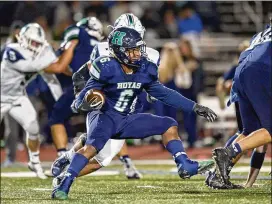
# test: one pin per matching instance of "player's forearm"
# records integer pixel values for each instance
(64, 60)
(170, 97)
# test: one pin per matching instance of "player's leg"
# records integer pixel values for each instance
(65, 159)
(61, 112)
(255, 109)
(24, 113)
(138, 126)
(130, 170)
(97, 136)
(257, 159)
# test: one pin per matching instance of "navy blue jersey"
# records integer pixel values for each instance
(84, 47)
(230, 74)
(257, 41)
(121, 89)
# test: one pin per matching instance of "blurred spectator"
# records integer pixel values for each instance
(190, 26)
(189, 81)
(167, 69)
(31, 11)
(151, 21)
(97, 9)
(14, 30)
(209, 14)
(168, 29)
(63, 18)
(118, 9)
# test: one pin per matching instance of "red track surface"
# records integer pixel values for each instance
(48, 153)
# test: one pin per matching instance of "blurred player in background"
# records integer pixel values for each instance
(252, 89)
(83, 37)
(30, 55)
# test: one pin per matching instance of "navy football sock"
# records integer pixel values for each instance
(175, 147)
(257, 159)
(234, 150)
(231, 139)
(77, 164)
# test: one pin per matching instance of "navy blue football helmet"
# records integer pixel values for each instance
(122, 41)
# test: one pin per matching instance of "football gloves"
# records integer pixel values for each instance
(205, 112)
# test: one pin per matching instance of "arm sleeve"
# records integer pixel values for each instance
(230, 74)
(169, 96)
(29, 64)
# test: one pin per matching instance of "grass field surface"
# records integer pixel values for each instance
(159, 185)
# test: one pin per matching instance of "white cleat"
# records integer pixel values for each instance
(133, 173)
(37, 168)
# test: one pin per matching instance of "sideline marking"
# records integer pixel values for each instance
(32, 174)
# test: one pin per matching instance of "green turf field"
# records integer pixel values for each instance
(157, 186)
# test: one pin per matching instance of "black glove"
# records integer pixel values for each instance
(78, 82)
(205, 112)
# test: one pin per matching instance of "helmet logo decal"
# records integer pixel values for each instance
(118, 38)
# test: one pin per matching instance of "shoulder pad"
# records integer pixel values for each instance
(101, 68)
(101, 49)
(71, 33)
(153, 55)
(152, 70)
(13, 54)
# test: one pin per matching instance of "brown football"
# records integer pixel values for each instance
(94, 97)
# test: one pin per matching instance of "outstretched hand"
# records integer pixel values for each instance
(205, 112)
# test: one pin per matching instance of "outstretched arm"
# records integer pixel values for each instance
(173, 98)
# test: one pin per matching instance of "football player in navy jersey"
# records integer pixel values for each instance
(252, 89)
(121, 77)
(117, 147)
(83, 36)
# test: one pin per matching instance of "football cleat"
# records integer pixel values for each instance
(204, 166)
(57, 180)
(190, 168)
(62, 190)
(223, 163)
(37, 168)
(60, 164)
(214, 181)
(132, 173)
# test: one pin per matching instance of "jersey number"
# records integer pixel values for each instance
(123, 100)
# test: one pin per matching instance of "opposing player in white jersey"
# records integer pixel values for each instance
(31, 55)
(112, 147)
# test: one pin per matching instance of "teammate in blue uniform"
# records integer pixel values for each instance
(84, 36)
(122, 77)
(252, 89)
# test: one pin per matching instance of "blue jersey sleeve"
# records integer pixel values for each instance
(230, 74)
(169, 96)
(164, 94)
(71, 33)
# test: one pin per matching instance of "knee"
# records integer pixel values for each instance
(170, 122)
(55, 119)
(32, 127)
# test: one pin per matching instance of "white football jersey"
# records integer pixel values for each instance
(102, 49)
(16, 63)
